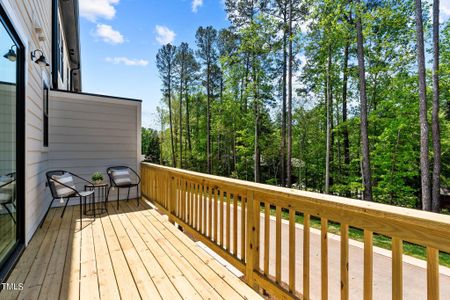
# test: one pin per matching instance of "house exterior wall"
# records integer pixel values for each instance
(89, 133)
(71, 117)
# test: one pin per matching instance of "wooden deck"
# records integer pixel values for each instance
(133, 253)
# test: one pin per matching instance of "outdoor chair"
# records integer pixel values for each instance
(7, 193)
(122, 177)
(62, 186)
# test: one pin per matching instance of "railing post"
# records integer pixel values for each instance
(252, 249)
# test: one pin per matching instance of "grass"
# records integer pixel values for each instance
(379, 240)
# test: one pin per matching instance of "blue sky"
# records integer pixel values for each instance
(120, 39)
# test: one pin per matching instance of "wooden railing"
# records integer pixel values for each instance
(233, 216)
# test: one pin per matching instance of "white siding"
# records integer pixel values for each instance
(91, 133)
(25, 15)
(93, 145)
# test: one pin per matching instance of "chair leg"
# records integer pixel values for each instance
(128, 195)
(9, 212)
(118, 198)
(65, 206)
(138, 196)
(107, 198)
(42, 222)
(81, 212)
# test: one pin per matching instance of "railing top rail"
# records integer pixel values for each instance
(424, 219)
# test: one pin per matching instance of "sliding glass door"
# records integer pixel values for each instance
(11, 63)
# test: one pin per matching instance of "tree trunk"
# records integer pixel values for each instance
(329, 106)
(346, 140)
(188, 127)
(174, 163)
(283, 108)
(208, 120)
(257, 167)
(436, 130)
(424, 128)
(289, 103)
(367, 177)
(181, 118)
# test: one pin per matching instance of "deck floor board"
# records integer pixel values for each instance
(130, 253)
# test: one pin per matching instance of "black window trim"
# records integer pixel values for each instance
(45, 118)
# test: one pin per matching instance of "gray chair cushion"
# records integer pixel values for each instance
(121, 177)
(62, 190)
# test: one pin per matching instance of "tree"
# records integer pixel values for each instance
(165, 61)
(436, 130)
(424, 128)
(367, 178)
(187, 68)
(283, 11)
(151, 145)
(206, 39)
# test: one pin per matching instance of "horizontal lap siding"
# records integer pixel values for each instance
(91, 133)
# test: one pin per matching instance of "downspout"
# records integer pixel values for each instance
(71, 78)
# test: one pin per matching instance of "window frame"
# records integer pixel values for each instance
(45, 116)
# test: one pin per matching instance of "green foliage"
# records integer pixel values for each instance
(151, 145)
(242, 68)
(97, 176)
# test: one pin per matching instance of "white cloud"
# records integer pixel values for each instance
(164, 35)
(107, 34)
(93, 9)
(196, 4)
(127, 61)
(445, 8)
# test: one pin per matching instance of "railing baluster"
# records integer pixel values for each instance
(191, 201)
(306, 234)
(368, 264)
(257, 222)
(397, 270)
(432, 273)
(235, 222)
(216, 207)
(292, 250)
(221, 217)
(324, 257)
(266, 237)
(200, 211)
(278, 245)
(243, 207)
(183, 199)
(180, 201)
(205, 210)
(197, 206)
(344, 262)
(210, 213)
(228, 247)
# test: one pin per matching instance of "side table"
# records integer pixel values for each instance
(97, 202)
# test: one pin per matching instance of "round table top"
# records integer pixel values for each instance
(102, 184)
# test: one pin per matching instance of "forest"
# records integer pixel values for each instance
(344, 97)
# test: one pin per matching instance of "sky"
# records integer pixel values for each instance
(120, 39)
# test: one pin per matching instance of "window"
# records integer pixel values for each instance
(45, 118)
